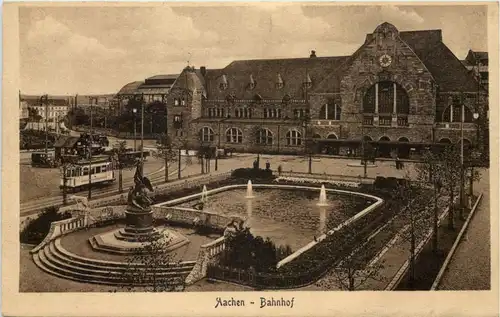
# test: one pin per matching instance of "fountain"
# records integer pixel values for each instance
(322, 197)
(249, 190)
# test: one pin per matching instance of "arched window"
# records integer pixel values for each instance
(403, 139)
(445, 141)
(386, 97)
(264, 137)
(207, 134)
(453, 113)
(293, 137)
(234, 135)
(330, 112)
(332, 136)
(385, 139)
(367, 138)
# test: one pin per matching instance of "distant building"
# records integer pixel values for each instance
(23, 109)
(477, 62)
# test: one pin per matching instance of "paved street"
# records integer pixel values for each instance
(469, 268)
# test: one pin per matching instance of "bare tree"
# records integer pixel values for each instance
(431, 170)
(145, 269)
(414, 210)
(165, 151)
(357, 267)
(121, 161)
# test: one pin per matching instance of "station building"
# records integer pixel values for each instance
(400, 91)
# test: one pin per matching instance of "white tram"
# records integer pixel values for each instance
(77, 174)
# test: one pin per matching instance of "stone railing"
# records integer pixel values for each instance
(208, 254)
(189, 216)
(62, 227)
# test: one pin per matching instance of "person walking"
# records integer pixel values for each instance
(280, 169)
(398, 163)
(268, 165)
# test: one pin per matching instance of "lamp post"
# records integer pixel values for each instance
(135, 128)
(142, 132)
(462, 181)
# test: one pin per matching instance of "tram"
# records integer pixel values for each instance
(77, 174)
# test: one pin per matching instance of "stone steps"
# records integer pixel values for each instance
(55, 260)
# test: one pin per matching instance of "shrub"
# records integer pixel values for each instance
(244, 251)
(252, 173)
(36, 230)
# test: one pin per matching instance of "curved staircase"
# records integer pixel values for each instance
(56, 260)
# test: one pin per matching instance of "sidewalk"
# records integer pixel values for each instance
(470, 268)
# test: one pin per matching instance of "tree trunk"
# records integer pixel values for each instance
(120, 180)
(179, 165)
(351, 282)
(451, 210)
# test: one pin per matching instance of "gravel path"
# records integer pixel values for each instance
(470, 269)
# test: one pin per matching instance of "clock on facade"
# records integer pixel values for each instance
(385, 60)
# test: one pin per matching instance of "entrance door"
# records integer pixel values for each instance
(404, 150)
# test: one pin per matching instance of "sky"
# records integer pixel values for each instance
(97, 50)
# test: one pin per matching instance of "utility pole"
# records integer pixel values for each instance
(462, 204)
(90, 151)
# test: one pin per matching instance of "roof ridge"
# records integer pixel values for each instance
(286, 58)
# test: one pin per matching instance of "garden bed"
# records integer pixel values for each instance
(428, 263)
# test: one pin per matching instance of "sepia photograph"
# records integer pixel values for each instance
(252, 152)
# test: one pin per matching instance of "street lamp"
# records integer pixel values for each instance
(135, 127)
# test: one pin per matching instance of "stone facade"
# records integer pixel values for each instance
(397, 87)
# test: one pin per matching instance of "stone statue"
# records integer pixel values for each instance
(137, 196)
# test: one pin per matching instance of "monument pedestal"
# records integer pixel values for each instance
(138, 232)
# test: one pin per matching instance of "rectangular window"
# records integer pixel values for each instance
(183, 102)
(176, 102)
(385, 120)
(85, 171)
(98, 169)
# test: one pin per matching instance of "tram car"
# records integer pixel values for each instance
(77, 174)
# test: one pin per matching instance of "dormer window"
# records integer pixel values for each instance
(279, 82)
(223, 84)
(308, 82)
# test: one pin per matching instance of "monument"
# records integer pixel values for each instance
(139, 223)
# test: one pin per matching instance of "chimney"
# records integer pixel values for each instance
(313, 54)
(203, 70)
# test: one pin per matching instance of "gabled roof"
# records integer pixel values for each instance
(130, 88)
(66, 141)
(160, 77)
(448, 71)
(266, 73)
